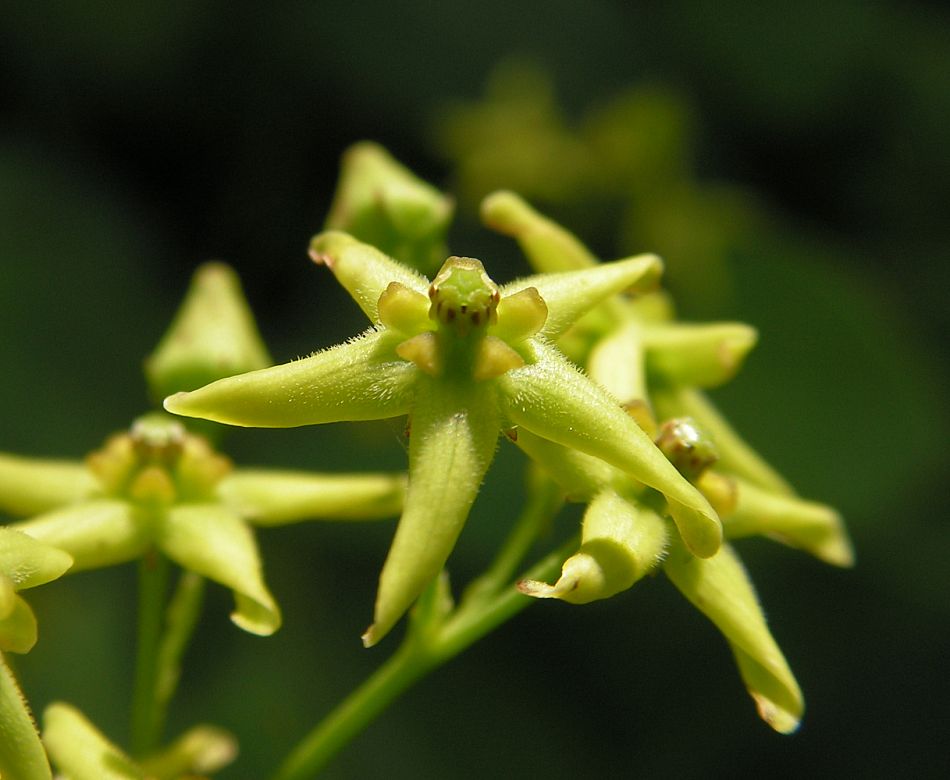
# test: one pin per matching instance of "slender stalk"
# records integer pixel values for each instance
(418, 655)
(153, 580)
(544, 501)
(182, 615)
(356, 712)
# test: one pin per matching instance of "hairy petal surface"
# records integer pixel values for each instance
(22, 756)
(454, 429)
(95, 533)
(280, 497)
(362, 270)
(720, 589)
(359, 380)
(214, 542)
(571, 294)
(31, 486)
(552, 399)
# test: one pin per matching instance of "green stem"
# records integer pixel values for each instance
(544, 501)
(153, 580)
(356, 712)
(182, 615)
(418, 655)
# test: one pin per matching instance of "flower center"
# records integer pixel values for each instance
(463, 296)
(158, 463)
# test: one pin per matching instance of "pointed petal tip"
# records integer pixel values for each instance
(837, 552)
(369, 637)
(504, 211)
(175, 403)
(257, 618)
(777, 717)
(537, 589)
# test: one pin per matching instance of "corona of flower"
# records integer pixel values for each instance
(465, 359)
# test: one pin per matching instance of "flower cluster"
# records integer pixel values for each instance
(465, 359)
(582, 366)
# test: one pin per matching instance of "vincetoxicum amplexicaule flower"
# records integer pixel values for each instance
(160, 486)
(465, 360)
(652, 365)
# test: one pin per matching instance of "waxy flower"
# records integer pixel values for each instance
(625, 536)
(658, 369)
(464, 359)
(159, 486)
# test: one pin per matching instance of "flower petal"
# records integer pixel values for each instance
(360, 380)
(18, 629)
(21, 753)
(363, 270)
(616, 364)
(277, 497)
(213, 541)
(697, 355)
(95, 533)
(620, 543)
(451, 444)
(720, 589)
(580, 476)
(27, 562)
(80, 751)
(548, 247)
(30, 486)
(571, 294)
(813, 527)
(735, 455)
(552, 399)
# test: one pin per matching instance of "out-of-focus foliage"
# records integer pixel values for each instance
(140, 140)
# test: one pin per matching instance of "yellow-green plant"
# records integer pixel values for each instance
(582, 366)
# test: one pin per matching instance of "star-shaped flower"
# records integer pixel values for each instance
(464, 359)
(160, 486)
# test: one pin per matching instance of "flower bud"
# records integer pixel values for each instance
(382, 203)
(212, 336)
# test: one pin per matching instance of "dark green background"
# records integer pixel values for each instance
(138, 139)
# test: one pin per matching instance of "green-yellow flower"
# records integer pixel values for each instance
(159, 486)
(464, 359)
(655, 367)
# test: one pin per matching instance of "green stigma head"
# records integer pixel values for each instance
(463, 296)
